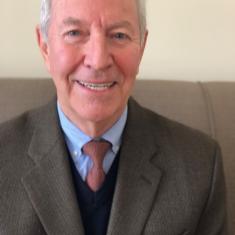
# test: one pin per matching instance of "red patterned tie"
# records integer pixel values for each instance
(96, 150)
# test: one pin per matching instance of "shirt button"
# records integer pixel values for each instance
(75, 153)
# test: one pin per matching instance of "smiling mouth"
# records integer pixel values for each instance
(97, 86)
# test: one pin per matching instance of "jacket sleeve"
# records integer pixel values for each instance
(213, 220)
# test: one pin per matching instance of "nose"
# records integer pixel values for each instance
(97, 52)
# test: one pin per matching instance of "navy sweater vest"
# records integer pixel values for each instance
(95, 207)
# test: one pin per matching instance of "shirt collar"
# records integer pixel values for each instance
(76, 138)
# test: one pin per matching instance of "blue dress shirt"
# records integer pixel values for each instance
(75, 139)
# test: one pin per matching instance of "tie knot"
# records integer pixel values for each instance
(96, 150)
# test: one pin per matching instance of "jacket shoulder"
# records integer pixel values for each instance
(171, 134)
(20, 129)
(15, 136)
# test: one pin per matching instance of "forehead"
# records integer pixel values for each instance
(95, 10)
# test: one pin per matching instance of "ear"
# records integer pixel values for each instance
(143, 44)
(43, 46)
(142, 47)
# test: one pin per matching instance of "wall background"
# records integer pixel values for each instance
(188, 40)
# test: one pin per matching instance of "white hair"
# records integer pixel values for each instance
(45, 15)
(141, 8)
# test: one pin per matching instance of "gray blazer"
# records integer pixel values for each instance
(170, 179)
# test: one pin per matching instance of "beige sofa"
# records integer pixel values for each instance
(208, 106)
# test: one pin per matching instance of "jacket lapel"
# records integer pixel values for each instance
(138, 176)
(49, 184)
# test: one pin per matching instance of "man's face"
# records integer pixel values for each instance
(93, 54)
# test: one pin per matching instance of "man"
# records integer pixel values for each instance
(157, 176)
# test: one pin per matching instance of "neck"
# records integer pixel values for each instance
(94, 129)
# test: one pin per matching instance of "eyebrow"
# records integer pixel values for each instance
(71, 21)
(120, 24)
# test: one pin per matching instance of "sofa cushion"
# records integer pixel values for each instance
(207, 106)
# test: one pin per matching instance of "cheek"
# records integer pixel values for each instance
(128, 62)
(62, 62)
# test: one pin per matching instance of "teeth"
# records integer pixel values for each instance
(95, 86)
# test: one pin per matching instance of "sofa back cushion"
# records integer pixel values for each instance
(209, 107)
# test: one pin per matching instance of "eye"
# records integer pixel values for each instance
(73, 33)
(119, 36)
(75, 36)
